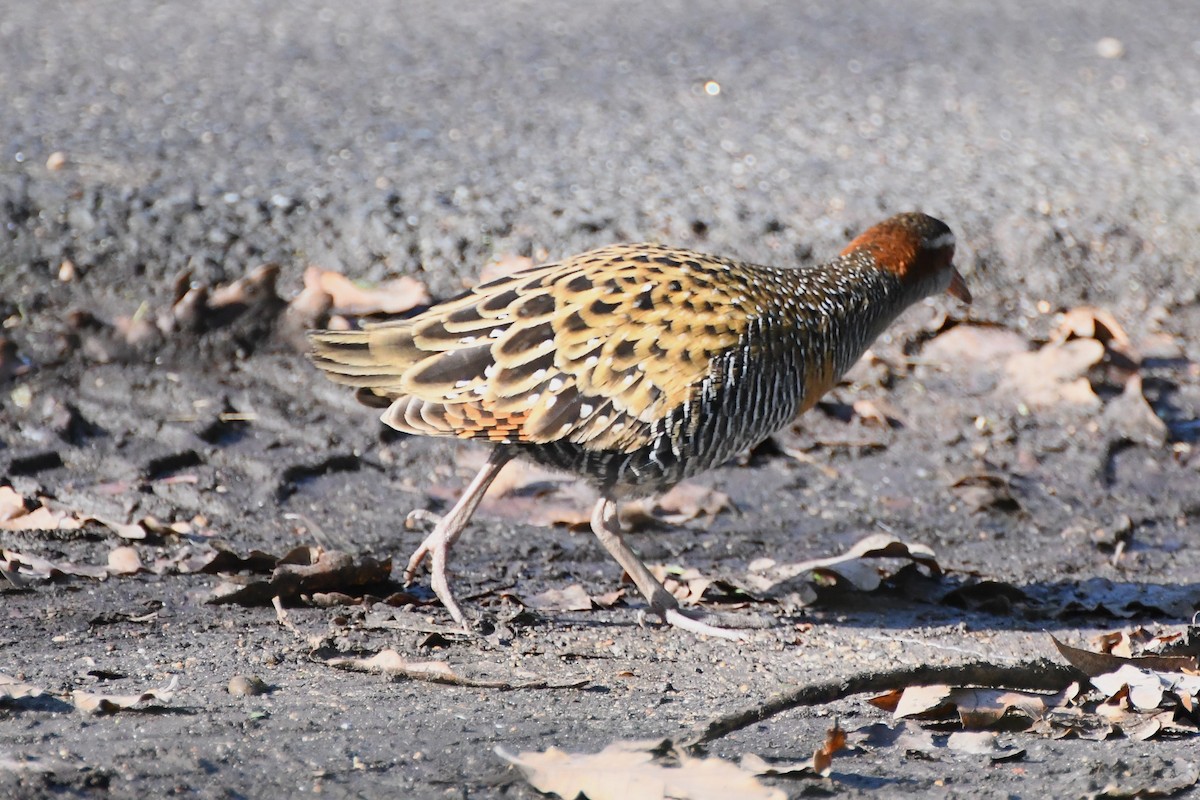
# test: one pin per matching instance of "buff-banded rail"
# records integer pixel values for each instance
(634, 366)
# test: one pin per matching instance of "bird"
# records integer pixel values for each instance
(635, 366)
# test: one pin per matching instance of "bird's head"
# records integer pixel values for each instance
(918, 249)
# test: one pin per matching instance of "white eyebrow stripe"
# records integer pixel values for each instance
(945, 240)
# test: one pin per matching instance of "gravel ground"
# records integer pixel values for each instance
(144, 141)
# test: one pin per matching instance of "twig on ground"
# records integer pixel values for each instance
(1039, 675)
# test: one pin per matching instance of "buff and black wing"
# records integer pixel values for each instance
(591, 350)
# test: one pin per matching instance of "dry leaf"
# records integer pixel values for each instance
(347, 297)
(983, 708)
(1146, 688)
(835, 740)
(887, 701)
(124, 561)
(1131, 416)
(250, 289)
(528, 493)
(924, 702)
(624, 773)
(13, 689)
(1060, 723)
(30, 566)
(306, 571)
(982, 491)
(481, 675)
(877, 412)
(1093, 664)
(686, 585)
(776, 767)
(12, 505)
(974, 345)
(41, 518)
(853, 566)
(532, 494)
(1089, 322)
(96, 703)
(1055, 375)
(15, 515)
(571, 598)
(684, 502)
(976, 708)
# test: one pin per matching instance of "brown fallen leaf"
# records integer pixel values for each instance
(1093, 664)
(975, 708)
(97, 703)
(1061, 723)
(347, 297)
(248, 290)
(686, 585)
(12, 504)
(877, 412)
(124, 561)
(1146, 688)
(305, 571)
(24, 565)
(1129, 415)
(775, 767)
(855, 567)
(632, 771)
(835, 740)
(529, 493)
(480, 675)
(570, 598)
(42, 518)
(888, 701)
(1090, 322)
(983, 491)
(974, 346)
(13, 689)
(1055, 375)
(684, 502)
(36, 514)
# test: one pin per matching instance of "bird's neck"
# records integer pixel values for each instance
(846, 305)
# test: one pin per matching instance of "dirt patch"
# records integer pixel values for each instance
(169, 185)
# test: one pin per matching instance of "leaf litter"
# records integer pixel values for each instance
(1140, 696)
(14, 691)
(484, 675)
(647, 770)
(304, 573)
(859, 567)
(99, 703)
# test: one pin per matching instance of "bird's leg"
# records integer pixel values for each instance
(443, 536)
(607, 528)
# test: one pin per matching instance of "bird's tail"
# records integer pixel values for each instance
(374, 358)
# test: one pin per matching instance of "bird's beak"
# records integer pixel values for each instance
(958, 287)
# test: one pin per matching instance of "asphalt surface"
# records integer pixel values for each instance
(140, 141)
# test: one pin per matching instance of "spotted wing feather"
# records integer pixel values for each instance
(591, 350)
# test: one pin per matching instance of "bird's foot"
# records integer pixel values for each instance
(675, 617)
(436, 547)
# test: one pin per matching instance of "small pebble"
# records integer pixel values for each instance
(1108, 47)
(243, 686)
